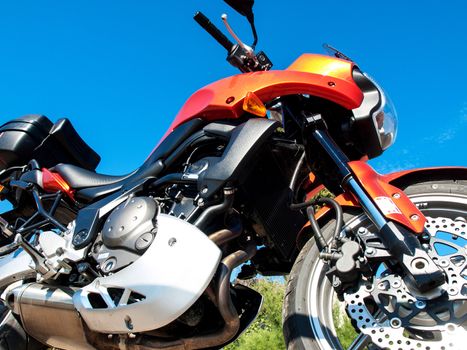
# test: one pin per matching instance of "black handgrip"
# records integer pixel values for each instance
(204, 22)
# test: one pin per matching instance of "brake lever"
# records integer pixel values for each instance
(247, 50)
(243, 56)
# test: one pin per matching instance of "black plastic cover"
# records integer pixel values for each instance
(73, 146)
(20, 137)
(35, 137)
(244, 144)
(363, 125)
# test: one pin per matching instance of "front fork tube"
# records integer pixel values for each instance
(403, 244)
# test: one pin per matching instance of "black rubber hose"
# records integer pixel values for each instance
(339, 217)
(320, 241)
(299, 206)
(314, 224)
(293, 180)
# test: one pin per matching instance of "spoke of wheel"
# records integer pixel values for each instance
(360, 342)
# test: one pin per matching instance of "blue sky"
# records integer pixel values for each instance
(120, 70)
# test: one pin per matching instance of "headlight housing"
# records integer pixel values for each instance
(385, 118)
(375, 120)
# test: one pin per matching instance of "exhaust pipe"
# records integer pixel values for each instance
(218, 338)
(48, 314)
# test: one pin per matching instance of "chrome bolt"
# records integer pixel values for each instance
(395, 322)
(443, 263)
(369, 251)
(414, 217)
(451, 328)
(109, 264)
(128, 322)
(60, 251)
(396, 195)
(200, 202)
(419, 263)
(204, 190)
(362, 230)
(420, 304)
(396, 284)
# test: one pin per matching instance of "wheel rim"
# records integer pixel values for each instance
(320, 294)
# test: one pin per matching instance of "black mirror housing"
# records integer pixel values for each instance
(243, 7)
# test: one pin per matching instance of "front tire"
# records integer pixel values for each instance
(308, 306)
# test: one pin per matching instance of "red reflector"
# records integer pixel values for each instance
(52, 182)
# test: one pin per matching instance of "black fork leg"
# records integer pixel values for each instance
(402, 244)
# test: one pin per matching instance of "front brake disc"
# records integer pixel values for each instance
(408, 320)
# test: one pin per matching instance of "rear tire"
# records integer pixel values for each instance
(308, 321)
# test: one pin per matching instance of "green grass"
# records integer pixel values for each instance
(345, 331)
(266, 332)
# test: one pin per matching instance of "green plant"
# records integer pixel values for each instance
(266, 332)
(344, 328)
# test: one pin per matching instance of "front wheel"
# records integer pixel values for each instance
(383, 311)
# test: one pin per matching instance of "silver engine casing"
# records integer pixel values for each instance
(161, 284)
(166, 277)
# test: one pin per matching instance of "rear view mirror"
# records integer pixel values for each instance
(245, 8)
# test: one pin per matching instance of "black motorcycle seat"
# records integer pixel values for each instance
(91, 185)
(79, 178)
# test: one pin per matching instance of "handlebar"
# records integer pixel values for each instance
(207, 25)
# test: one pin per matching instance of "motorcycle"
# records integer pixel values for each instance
(145, 260)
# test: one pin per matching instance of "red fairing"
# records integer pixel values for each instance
(316, 75)
(322, 76)
(392, 202)
(53, 182)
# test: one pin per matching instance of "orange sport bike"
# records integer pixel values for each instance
(145, 260)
